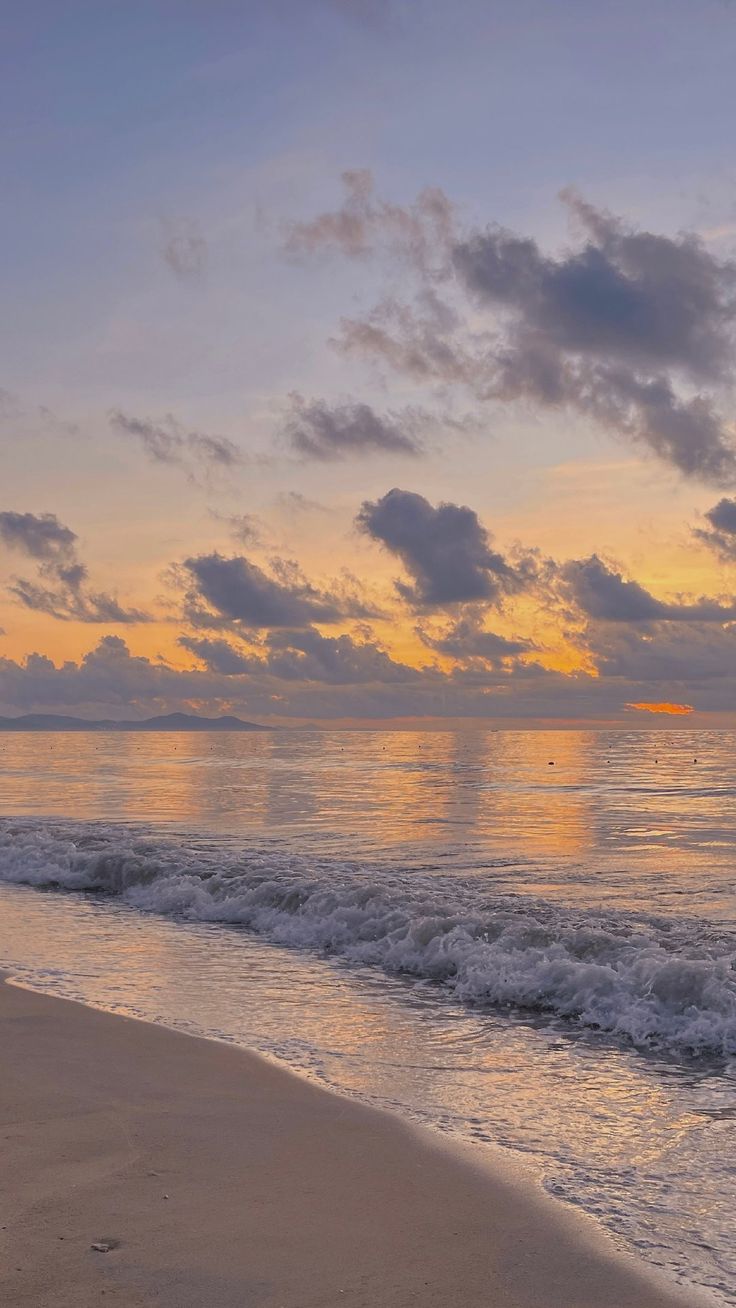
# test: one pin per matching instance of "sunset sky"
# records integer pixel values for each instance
(369, 361)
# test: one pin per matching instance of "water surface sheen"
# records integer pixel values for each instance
(526, 938)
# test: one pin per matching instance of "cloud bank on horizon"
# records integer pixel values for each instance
(414, 439)
(259, 640)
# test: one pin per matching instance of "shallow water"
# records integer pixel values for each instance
(524, 938)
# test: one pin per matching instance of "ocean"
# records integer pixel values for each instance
(525, 939)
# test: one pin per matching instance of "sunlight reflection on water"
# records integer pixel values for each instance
(625, 820)
(624, 817)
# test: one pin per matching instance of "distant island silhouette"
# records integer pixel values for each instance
(165, 722)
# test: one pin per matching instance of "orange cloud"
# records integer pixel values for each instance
(662, 708)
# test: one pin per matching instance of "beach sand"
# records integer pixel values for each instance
(223, 1181)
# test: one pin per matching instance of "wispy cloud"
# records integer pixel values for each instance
(61, 589)
(166, 441)
(321, 431)
(184, 249)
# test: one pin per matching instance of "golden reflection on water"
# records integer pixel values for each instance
(553, 799)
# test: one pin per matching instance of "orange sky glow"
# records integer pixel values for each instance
(677, 710)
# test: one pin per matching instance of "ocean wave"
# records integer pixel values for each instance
(652, 980)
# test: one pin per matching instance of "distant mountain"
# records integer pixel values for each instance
(167, 722)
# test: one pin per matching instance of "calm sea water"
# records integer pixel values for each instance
(522, 938)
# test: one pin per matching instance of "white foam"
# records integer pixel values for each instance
(651, 980)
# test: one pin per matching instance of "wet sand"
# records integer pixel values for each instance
(219, 1180)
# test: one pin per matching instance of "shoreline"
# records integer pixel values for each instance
(222, 1180)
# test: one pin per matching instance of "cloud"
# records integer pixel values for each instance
(168, 442)
(339, 660)
(445, 550)
(425, 341)
(603, 594)
(69, 602)
(364, 224)
(244, 527)
(320, 431)
(61, 589)
(682, 661)
(344, 679)
(218, 655)
(299, 674)
(295, 502)
(467, 640)
(721, 537)
(627, 296)
(305, 656)
(606, 328)
(41, 536)
(109, 676)
(630, 328)
(237, 590)
(723, 516)
(184, 250)
(686, 433)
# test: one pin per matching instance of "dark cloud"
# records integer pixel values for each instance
(168, 442)
(468, 640)
(61, 589)
(240, 591)
(184, 250)
(339, 660)
(723, 516)
(682, 661)
(603, 594)
(300, 675)
(606, 329)
(305, 656)
(686, 433)
(218, 655)
(697, 669)
(648, 301)
(317, 430)
(721, 535)
(445, 549)
(40, 536)
(109, 676)
(630, 328)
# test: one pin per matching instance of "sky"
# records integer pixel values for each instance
(367, 361)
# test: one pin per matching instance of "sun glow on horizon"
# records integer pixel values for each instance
(677, 710)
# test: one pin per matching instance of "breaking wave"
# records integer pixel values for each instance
(654, 981)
